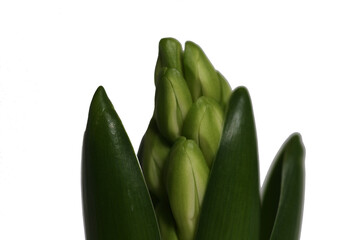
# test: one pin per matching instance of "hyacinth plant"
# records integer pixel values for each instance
(196, 174)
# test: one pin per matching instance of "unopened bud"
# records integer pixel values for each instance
(172, 102)
(152, 155)
(225, 90)
(170, 56)
(200, 74)
(166, 221)
(204, 124)
(186, 179)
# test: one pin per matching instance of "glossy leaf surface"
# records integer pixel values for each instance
(116, 202)
(231, 207)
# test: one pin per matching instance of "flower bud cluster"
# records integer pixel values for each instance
(181, 142)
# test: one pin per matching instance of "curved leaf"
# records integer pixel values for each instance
(116, 202)
(283, 193)
(231, 207)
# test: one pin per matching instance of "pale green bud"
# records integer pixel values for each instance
(172, 102)
(153, 152)
(170, 56)
(166, 221)
(186, 179)
(225, 90)
(204, 124)
(200, 74)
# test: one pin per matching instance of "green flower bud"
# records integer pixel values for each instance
(170, 56)
(200, 74)
(172, 102)
(186, 179)
(204, 124)
(225, 90)
(152, 155)
(166, 221)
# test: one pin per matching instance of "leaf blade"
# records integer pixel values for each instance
(116, 202)
(231, 207)
(283, 192)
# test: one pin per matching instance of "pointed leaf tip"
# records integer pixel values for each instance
(100, 94)
(296, 140)
(99, 103)
(283, 192)
(243, 91)
(115, 198)
(236, 163)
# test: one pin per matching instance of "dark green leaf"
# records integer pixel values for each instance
(231, 207)
(116, 202)
(283, 193)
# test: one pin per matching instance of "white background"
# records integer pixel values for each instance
(300, 60)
